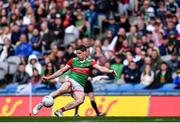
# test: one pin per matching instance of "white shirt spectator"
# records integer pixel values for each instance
(31, 65)
(147, 79)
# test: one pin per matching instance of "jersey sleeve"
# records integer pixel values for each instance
(93, 62)
(70, 62)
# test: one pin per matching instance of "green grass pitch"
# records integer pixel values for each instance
(89, 119)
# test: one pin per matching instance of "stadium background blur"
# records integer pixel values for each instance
(140, 39)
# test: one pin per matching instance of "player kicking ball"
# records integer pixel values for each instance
(80, 67)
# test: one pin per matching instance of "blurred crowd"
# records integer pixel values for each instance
(140, 39)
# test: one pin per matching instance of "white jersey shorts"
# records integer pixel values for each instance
(75, 86)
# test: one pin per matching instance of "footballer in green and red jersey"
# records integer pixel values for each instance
(80, 70)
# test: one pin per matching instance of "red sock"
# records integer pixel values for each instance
(62, 109)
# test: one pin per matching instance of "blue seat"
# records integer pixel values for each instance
(43, 90)
(126, 87)
(99, 87)
(167, 87)
(3, 91)
(138, 87)
(11, 88)
(38, 87)
(111, 88)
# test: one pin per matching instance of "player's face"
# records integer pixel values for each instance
(81, 55)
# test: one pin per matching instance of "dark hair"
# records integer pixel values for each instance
(46, 71)
(82, 48)
(21, 64)
(35, 69)
(144, 72)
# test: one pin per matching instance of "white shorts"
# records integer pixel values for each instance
(75, 86)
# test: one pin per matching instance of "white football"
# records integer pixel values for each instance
(48, 101)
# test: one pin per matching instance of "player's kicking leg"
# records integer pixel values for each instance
(63, 89)
(79, 99)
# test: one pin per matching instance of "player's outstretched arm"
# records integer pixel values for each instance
(104, 69)
(57, 73)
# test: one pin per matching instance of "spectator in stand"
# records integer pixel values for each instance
(171, 6)
(108, 48)
(86, 4)
(58, 29)
(35, 40)
(29, 31)
(36, 77)
(146, 61)
(118, 67)
(132, 35)
(151, 24)
(39, 14)
(15, 36)
(157, 34)
(156, 60)
(109, 34)
(174, 62)
(6, 50)
(69, 18)
(21, 78)
(137, 56)
(123, 7)
(6, 32)
(4, 22)
(98, 52)
(176, 79)
(162, 76)
(146, 10)
(129, 58)
(47, 37)
(125, 47)
(131, 73)
(147, 76)
(60, 58)
(124, 23)
(28, 15)
(75, 4)
(163, 46)
(141, 29)
(145, 42)
(119, 39)
(49, 69)
(33, 63)
(171, 29)
(91, 17)
(53, 53)
(161, 11)
(81, 23)
(86, 42)
(113, 26)
(172, 45)
(24, 48)
(70, 52)
(143, 56)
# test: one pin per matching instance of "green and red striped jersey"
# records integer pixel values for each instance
(80, 70)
